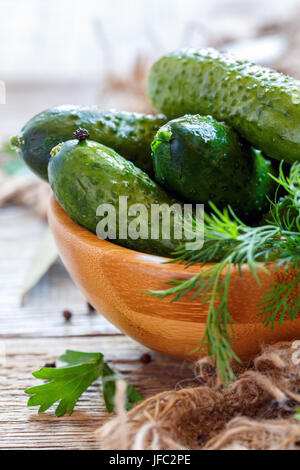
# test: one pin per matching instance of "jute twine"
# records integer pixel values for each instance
(255, 412)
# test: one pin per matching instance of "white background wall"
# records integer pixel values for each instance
(61, 51)
(76, 39)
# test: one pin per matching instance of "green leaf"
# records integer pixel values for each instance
(297, 415)
(66, 384)
(109, 390)
(77, 357)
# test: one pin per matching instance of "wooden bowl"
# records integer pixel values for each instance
(114, 279)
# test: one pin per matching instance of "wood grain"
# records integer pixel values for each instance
(41, 314)
(23, 428)
(35, 334)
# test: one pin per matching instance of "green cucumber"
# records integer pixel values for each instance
(204, 160)
(85, 174)
(261, 104)
(128, 133)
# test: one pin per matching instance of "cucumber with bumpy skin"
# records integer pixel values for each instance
(204, 160)
(128, 133)
(84, 175)
(261, 104)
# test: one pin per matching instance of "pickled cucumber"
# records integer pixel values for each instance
(261, 104)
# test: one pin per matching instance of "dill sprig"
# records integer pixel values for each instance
(233, 244)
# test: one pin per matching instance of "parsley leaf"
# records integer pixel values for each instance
(66, 384)
(109, 390)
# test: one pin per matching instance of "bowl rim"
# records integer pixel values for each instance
(57, 211)
(88, 238)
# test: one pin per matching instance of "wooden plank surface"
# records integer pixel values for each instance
(41, 315)
(37, 333)
(22, 427)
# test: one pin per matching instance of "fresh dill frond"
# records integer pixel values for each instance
(230, 243)
(279, 302)
(211, 285)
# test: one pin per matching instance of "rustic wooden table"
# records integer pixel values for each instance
(36, 333)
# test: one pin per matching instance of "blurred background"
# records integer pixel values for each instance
(99, 52)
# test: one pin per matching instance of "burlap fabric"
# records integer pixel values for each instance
(256, 412)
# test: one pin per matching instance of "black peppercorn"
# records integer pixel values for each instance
(67, 315)
(50, 365)
(145, 358)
